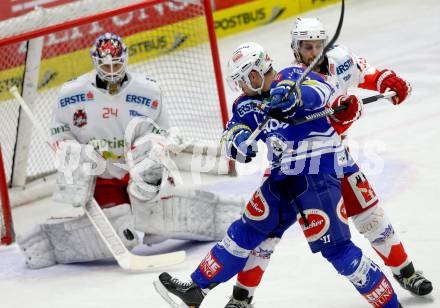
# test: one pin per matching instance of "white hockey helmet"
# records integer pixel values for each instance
(306, 29)
(109, 55)
(246, 58)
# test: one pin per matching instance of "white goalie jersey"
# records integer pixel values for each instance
(88, 114)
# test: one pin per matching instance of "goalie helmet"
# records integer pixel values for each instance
(246, 58)
(109, 55)
(306, 29)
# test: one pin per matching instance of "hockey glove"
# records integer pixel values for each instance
(278, 104)
(389, 81)
(239, 151)
(349, 115)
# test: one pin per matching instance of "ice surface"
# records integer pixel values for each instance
(405, 172)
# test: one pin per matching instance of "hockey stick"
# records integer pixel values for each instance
(330, 111)
(125, 258)
(297, 88)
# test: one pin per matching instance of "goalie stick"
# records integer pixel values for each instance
(125, 258)
(297, 88)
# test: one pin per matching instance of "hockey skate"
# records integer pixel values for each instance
(240, 299)
(413, 281)
(190, 294)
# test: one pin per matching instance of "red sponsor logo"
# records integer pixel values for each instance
(90, 96)
(80, 118)
(154, 104)
(318, 221)
(364, 187)
(342, 211)
(257, 208)
(331, 68)
(209, 266)
(13, 8)
(381, 294)
(237, 56)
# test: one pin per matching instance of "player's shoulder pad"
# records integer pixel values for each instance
(244, 105)
(144, 79)
(340, 60)
(76, 85)
(338, 51)
(144, 82)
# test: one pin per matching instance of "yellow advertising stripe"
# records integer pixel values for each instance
(149, 44)
(257, 13)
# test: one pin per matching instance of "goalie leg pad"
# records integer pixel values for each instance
(76, 240)
(375, 226)
(202, 218)
(37, 249)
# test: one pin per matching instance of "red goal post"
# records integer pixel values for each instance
(6, 229)
(174, 42)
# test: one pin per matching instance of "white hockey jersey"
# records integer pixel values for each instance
(346, 70)
(89, 115)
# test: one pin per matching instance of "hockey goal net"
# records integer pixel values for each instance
(172, 41)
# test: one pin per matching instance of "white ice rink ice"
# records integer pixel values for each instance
(398, 145)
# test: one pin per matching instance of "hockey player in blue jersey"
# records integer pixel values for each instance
(303, 186)
(362, 205)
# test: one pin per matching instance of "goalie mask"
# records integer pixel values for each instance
(306, 29)
(246, 58)
(109, 55)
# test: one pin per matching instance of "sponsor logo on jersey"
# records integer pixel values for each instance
(80, 118)
(134, 113)
(107, 155)
(274, 125)
(341, 211)
(59, 129)
(141, 100)
(277, 143)
(210, 266)
(103, 144)
(362, 189)
(344, 66)
(90, 96)
(347, 77)
(319, 223)
(257, 208)
(246, 107)
(77, 98)
(381, 294)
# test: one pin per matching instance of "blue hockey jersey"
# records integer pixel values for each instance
(310, 148)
